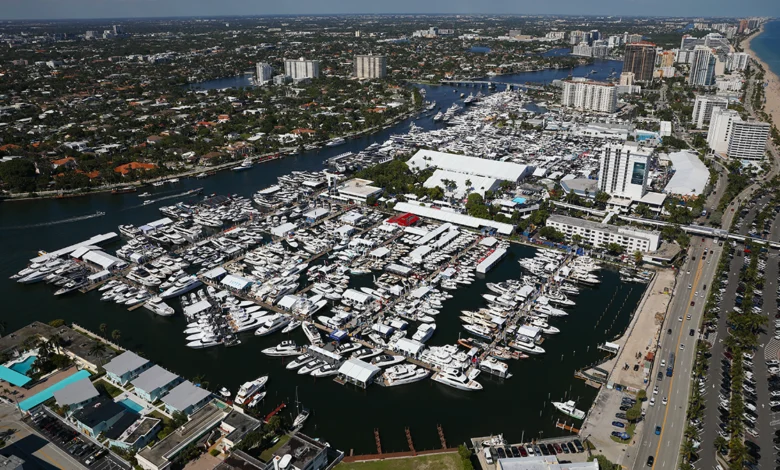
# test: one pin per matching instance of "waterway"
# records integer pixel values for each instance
(344, 416)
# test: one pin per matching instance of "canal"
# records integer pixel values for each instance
(344, 416)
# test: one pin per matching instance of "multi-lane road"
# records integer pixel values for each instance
(685, 314)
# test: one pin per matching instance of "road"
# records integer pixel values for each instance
(665, 447)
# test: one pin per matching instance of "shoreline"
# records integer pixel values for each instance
(772, 90)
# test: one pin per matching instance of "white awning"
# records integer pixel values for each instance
(236, 282)
(359, 371)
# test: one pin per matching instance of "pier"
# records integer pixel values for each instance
(490, 83)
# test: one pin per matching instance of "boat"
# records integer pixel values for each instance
(291, 326)
(272, 324)
(299, 361)
(256, 399)
(181, 286)
(568, 408)
(456, 379)
(386, 360)
(158, 306)
(146, 194)
(335, 142)
(402, 374)
(245, 165)
(225, 392)
(424, 332)
(124, 190)
(250, 388)
(303, 414)
(285, 348)
(526, 345)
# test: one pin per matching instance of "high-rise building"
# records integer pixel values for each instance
(599, 49)
(615, 41)
(623, 170)
(748, 140)
(721, 123)
(743, 25)
(640, 60)
(576, 37)
(589, 96)
(301, 69)
(666, 59)
(703, 107)
(264, 73)
(595, 35)
(632, 38)
(702, 67)
(737, 61)
(370, 66)
(627, 79)
(582, 49)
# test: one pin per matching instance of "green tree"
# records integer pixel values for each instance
(103, 329)
(638, 257)
(635, 412)
(551, 234)
(116, 335)
(57, 323)
(615, 249)
(97, 348)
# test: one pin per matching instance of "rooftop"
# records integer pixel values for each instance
(499, 170)
(98, 412)
(690, 176)
(154, 378)
(184, 395)
(302, 449)
(126, 362)
(76, 392)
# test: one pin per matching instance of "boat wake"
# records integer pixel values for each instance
(57, 222)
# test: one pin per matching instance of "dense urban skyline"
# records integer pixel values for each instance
(82, 9)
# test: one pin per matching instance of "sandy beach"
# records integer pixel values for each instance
(772, 106)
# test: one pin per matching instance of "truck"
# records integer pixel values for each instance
(670, 365)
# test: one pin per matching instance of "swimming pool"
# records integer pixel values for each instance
(24, 366)
(131, 405)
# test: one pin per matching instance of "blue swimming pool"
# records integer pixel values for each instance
(131, 405)
(24, 366)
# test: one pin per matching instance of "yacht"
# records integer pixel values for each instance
(245, 165)
(568, 408)
(256, 399)
(312, 333)
(285, 348)
(386, 360)
(456, 379)
(402, 374)
(272, 324)
(544, 326)
(424, 332)
(335, 142)
(250, 388)
(479, 330)
(182, 286)
(299, 361)
(158, 306)
(524, 344)
(493, 366)
(72, 285)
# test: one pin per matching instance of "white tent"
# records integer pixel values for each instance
(358, 372)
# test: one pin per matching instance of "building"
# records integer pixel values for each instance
(589, 96)
(690, 175)
(600, 235)
(665, 128)
(370, 66)
(639, 59)
(737, 61)
(76, 394)
(666, 59)
(301, 69)
(154, 383)
(136, 436)
(473, 166)
(623, 171)
(299, 453)
(98, 416)
(186, 398)
(703, 107)
(582, 49)
(358, 189)
(632, 38)
(264, 73)
(748, 140)
(11, 462)
(738, 139)
(543, 463)
(702, 67)
(125, 367)
(576, 37)
(236, 426)
(627, 78)
(599, 51)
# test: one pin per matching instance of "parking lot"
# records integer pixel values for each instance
(565, 450)
(79, 447)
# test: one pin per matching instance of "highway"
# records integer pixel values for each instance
(665, 447)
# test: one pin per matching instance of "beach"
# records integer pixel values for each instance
(772, 91)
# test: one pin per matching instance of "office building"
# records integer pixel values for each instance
(600, 235)
(615, 41)
(556, 35)
(737, 61)
(594, 35)
(626, 79)
(600, 49)
(301, 69)
(581, 49)
(264, 73)
(640, 60)
(576, 37)
(703, 107)
(632, 38)
(666, 59)
(623, 170)
(589, 96)
(370, 66)
(721, 122)
(748, 140)
(702, 67)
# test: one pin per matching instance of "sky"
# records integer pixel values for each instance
(64, 9)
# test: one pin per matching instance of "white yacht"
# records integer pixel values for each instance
(456, 379)
(544, 326)
(493, 366)
(299, 361)
(285, 348)
(272, 324)
(402, 374)
(250, 388)
(524, 344)
(386, 360)
(158, 306)
(424, 332)
(182, 286)
(568, 408)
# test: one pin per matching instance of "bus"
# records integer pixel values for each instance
(670, 365)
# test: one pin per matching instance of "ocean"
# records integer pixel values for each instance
(767, 46)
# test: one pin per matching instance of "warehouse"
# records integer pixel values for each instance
(471, 166)
(454, 217)
(690, 175)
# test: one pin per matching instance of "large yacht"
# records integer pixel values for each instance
(524, 344)
(182, 286)
(404, 374)
(285, 348)
(250, 388)
(568, 408)
(456, 379)
(273, 324)
(158, 306)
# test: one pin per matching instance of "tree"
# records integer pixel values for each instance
(57, 323)
(115, 335)
(576, 239)
(551, 234)
(275, 424)
(602, 198)
(615, 249)
(638, 257)
(103, 329)
(97, 348)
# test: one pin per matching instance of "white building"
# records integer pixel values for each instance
(623, 170)
(589, 96)
(737, 61)
(600, 235)
(702, 67)
(556, 35)
(472, 166)
(703, 106)
(370, 66)
(581, 49)
(301, 69)
(741, 140)
(690, 174)
(264, 73)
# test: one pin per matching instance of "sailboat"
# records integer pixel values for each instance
(303, 415)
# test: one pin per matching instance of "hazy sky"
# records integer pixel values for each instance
(45, 9)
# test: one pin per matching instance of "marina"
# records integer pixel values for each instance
(368, 296)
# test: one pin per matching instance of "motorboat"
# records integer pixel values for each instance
(256, 399)
(402, 374)
(526, 345)
(272, 324)
(225, 392)
(424, 332)
(285, 348)
(568, 408)
(182, 286)
(291, 326)
(456, 379)
(386, 360)
(158, 306)
(299, 361)
(250, 388)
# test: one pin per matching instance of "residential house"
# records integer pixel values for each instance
(152, 384)
(76, 395)
(98, 416)
(125, 367)
(186, 398)
(67, 163)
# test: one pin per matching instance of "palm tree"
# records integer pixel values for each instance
(3, 326)
(56, 342)
(687, 450)
(103, 329)
(115, 335)
(97, 348)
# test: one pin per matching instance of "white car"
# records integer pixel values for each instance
(664, 401)
(655, 390)
(652, 401)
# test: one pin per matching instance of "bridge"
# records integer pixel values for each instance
(489, 84)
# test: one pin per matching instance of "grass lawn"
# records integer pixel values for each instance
(111, 389)
(266, 455)
(449, 461)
